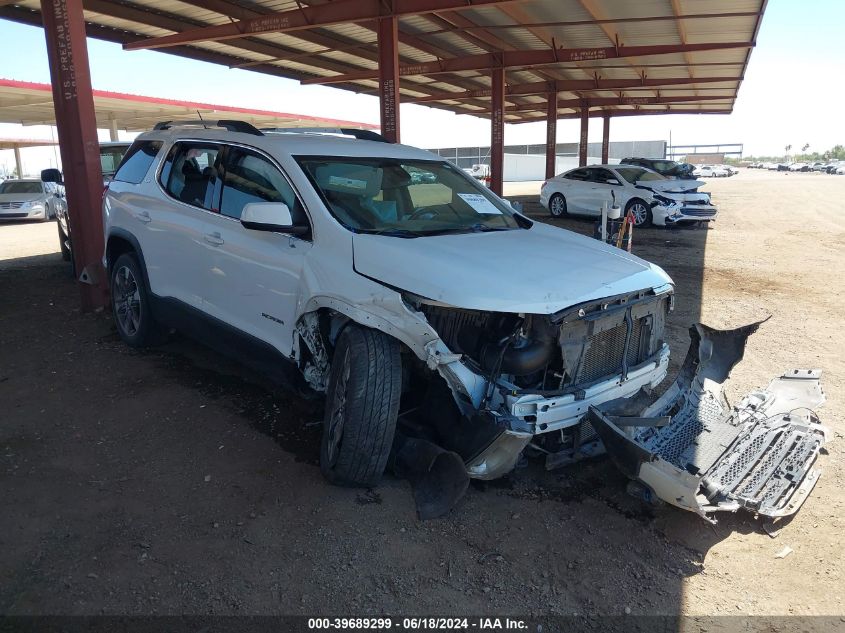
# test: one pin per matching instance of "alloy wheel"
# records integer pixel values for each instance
(640, 213)
(127, 301)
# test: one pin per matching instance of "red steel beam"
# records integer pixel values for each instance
(308, 17)
(551, 135)
(571, 23)
(497, 131)
(530, 58)
(605, 139)
(388, 51)
(582, 143)
(73, 100)
(568, 85)
(612, 101)
(333, 42)
(618, 113)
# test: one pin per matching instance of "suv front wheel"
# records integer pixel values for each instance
(131, 303)
(362, 404)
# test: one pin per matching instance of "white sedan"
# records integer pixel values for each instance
(710, 171)
(650, 197)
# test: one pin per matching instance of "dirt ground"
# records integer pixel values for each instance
(173, 481)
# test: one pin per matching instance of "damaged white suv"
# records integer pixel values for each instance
(380, 274)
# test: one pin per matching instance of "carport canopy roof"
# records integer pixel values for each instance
(17, 143)
(615, 56)
(30, 103)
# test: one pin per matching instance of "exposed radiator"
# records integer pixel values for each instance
(605, 352)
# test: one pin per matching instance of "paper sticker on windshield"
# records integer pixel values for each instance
(349, 183)
(480, 203)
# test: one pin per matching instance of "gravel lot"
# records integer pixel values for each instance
(173, 481)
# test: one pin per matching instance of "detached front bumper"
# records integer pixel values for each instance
(691, 449)
(667, 215)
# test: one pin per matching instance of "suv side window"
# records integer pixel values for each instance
(190, 173)
(250, 177)
(136, 163)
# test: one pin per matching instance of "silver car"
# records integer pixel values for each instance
(30, 199)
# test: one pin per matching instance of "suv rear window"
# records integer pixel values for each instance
(110, 157)
(137, 161)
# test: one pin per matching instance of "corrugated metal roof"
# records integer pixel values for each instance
(331, 51)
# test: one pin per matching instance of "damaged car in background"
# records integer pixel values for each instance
(647, 195)
(387, 279)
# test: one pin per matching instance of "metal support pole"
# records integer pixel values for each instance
(113, 135)
(582, 145)
(497, 131)
(73, 101)
(551, 135)
(605, 139)
(18, 162)
(388, 69)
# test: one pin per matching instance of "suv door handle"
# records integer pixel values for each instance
(213, 238)
(143, 216)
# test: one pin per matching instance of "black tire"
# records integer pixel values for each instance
(362, 404)
(641, 210)
(62, 245)
(130, 302)
(557, 206)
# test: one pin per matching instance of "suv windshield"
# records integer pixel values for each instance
(636, 174)
(405, 198)
(20, 186)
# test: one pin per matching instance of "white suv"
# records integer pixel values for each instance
(380, 274)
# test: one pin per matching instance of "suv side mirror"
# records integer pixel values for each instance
(270, 216)
(51, 175)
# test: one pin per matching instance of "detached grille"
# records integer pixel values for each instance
(11, 205)
(606, 350)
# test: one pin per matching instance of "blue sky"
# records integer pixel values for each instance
(793, 93)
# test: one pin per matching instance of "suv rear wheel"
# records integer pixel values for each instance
(362, 404)
(131, 303)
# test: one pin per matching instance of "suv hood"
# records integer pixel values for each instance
(540, 270)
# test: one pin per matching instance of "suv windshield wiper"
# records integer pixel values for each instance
(475, 228)
(393, 232)
(409, 234)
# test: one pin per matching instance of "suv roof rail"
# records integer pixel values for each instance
(360, 134)
(227, 124)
